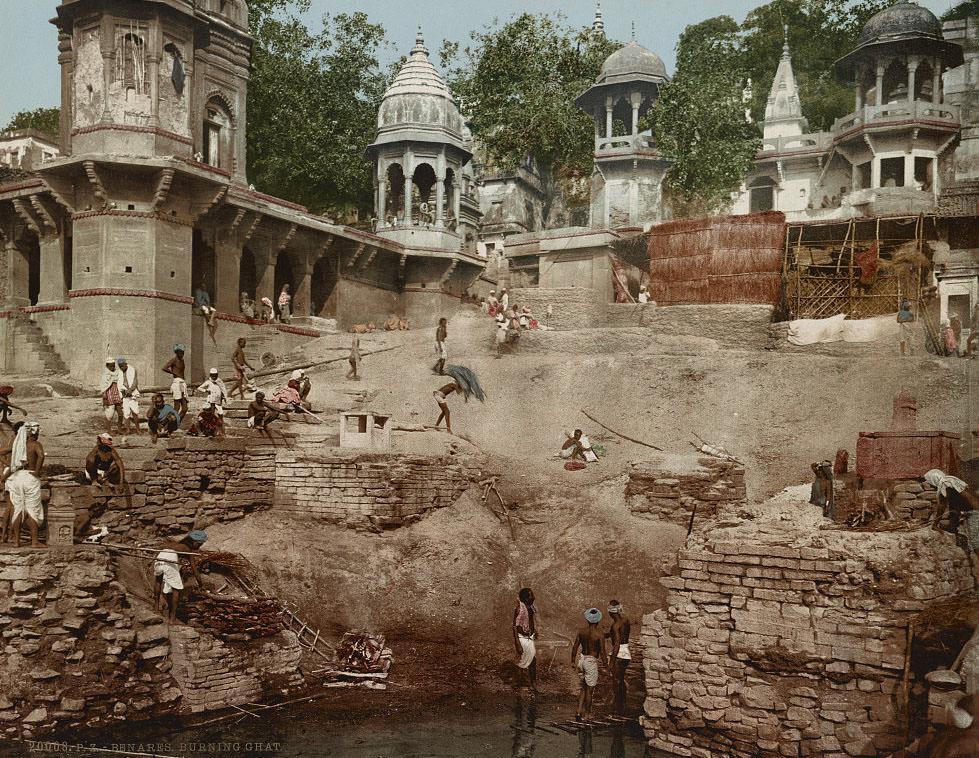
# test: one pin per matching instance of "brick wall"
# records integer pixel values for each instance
(213, 674)
(365, 490)
(673, 493)
(783, 642)
(190, 483)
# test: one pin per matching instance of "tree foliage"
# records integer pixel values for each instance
(820, 33)
(516, 84)
(698, 121)
(312, 105)
(968, 9)
(43, 119)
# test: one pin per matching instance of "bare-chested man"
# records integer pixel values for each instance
(260, 413)
(618, 654)
(240, 363)
(167, 569)
(176, 368)
(103, 466)
(26, 457)
(440, 396)
(591, 645)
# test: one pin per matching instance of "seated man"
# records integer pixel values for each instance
(103, 465)
(577, 447)
(162, 419)
(289, 395)
(6, 405)
(261, 414)
(208, 424)
(167, 570)
(391, 324)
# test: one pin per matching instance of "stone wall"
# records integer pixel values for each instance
(365, 490)
(784, 642)
(81, 649)
(572, 307)
(672, 490)
(190, 483)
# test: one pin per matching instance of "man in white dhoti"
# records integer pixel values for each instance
(524, 632)
(619, 653)
(23, 482)
(129, 389)
(166, 569)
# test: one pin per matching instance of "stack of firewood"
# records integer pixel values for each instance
(234, 618)
(362, 659)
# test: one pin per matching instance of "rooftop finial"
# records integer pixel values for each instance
(785, 44)
(419, 42)
(598, 26)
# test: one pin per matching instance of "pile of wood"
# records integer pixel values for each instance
(235, 619)
(362, 659)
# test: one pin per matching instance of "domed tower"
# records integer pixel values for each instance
(901, 125)
(628, 175)
(419, 153)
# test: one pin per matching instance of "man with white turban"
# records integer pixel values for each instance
(23, 482)
(961, 496)
(111, 395)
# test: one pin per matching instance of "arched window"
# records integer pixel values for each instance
(217, 135)
(131, 62)
(761, 195)
(176, 65)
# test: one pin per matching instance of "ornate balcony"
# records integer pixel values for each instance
(939, 114)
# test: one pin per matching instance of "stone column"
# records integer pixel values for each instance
(302, 305)
(266, 279)
(936, 82)
(635, 119)
(108, 42)
(18, 277)
(382, 199)
(880, 84)
(153, 61)
(456, 202)
(227, 274)
(439, 199)
(858, 89)
(53, 290)
(875, 171)
(608, 121)
(912, 68)
(909, 170)
(67, 90)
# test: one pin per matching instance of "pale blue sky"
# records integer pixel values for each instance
(29, 75)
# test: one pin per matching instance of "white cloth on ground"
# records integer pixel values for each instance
(25, 495)
(589, 454)
(588, 669)
(529, 651)
(167, 565)
(942, 481)
(624, 654)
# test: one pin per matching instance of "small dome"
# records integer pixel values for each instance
(902, 20)
(419, 96)
(628, 62)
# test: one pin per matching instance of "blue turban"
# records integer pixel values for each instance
(198, 535)
(181, 348)
(593, 615)
(121, 360)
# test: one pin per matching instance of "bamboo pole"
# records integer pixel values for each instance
(619, 434)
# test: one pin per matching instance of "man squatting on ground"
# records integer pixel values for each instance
(619, 655)
(103, 465)
(23, 480)
(525, 618)
(260, 413)
(167, 570)
(161, 418)
(178, 388)
(591, 645)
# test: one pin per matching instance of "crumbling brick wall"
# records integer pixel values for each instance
(365, 489)
(781, 641)
(673, 492)
(81, 649)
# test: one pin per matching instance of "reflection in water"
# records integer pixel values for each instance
(524, 733)
(584, 743)
(618, 744)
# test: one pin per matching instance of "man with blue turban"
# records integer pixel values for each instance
(587, 651)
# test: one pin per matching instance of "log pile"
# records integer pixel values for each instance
(235, 619)
(362, 659)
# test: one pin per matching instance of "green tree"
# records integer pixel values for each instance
(312, 105)
(516, 84)
(820, 32)
(968, 9)
(698, 121)
(43, 119)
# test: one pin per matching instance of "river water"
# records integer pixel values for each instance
(514, 730)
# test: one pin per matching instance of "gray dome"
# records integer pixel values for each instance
(631, 62)
(902, 20)
(418, 97)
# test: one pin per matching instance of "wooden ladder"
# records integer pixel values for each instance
(312, 641)
(938, 340)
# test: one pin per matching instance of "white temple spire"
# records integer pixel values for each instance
(598, 26)
(783, 112)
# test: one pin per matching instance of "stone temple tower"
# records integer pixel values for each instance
(628, 175)
(153, 132)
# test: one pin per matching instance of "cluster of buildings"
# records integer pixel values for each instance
(106, 234)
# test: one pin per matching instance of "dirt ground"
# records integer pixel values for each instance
(443, 589)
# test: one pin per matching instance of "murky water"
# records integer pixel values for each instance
(521, 729)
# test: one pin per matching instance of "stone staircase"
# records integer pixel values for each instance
(33, 352)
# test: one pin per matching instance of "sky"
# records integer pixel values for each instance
(30, 76)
